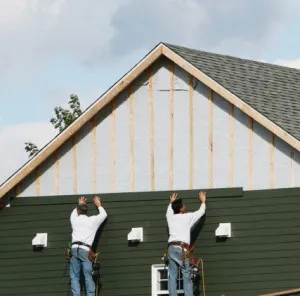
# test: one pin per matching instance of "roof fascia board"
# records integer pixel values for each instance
(233, 99)
(105, 99)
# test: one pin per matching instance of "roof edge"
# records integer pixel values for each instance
(231, 98)
(169, 45)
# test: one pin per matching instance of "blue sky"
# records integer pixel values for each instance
(52, 48)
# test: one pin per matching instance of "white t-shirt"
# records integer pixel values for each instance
(180, 224)
(85, 228)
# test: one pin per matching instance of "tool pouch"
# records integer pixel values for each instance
(68, 254)
(165, 258)
(93, 256)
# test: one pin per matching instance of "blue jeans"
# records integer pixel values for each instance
(78, 262)
(175, 261)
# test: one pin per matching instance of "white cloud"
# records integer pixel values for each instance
(289, 63)
(233, 27)
(32, 32)
(94, 32)
(12, 139)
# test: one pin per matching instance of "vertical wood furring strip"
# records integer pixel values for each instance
(292, 169)
(113, 148)
(131, 103)
(171, 152)
(38, 181)
(211, 140)
(151, 129)
(191, 108)
(250, 153)
(57, 172)
(231, 145)
(75, 183)
(272, 164)
(94, 154)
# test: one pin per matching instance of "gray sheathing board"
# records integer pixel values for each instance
(142, 134)
(282, 164)
(241, 148)
(201, 136)
(221, 142)
(66, 178)
(84, 159)
(103, 130)
(161, 106)
(297, 169)
(47, 172)
(261, 157)
(122, 132)
(181, 130)
(142, 155)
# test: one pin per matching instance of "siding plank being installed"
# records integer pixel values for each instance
(261, 257)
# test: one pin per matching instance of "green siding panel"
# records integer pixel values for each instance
(262, 256)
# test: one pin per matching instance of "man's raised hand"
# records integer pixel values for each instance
(202, 197)
(82, 200)
(97, 201)
(173, 197)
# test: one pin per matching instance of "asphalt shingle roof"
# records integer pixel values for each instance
(272, 90)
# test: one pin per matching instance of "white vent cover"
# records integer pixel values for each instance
(136, 235)
(40, 240)
(223, 230)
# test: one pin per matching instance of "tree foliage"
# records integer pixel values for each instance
(61, 120)
(64, 117)
(31, 148)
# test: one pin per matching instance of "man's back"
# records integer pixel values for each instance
(179, 228)
(180, 224)
(84, 227)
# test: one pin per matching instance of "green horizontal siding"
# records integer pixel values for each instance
(262, 256)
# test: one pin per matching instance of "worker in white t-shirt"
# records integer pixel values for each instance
(84, 229)
(180, 224)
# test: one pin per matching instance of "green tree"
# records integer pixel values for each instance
(61, 120)
(64, 117)
(31, 148)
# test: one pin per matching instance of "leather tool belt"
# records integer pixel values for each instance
(180, 244)
(81, 244)
(92, 255)
(183, 246)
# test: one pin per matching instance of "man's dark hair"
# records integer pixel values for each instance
(177, 205)
(82, 209)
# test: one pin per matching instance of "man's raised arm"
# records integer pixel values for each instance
(99, 219)
(82, 201)
(195, 216)
(170, 211)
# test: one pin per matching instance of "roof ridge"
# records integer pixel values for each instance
(231, 57)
